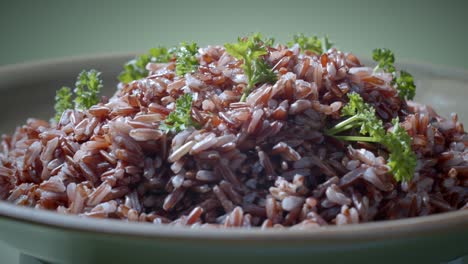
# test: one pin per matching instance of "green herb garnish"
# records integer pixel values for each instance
(326, 44)
(402, 160)
(402, 80)
(405, 85)
(181, 118)
(87, 87)
(313, 43)
(186, 60)
(385, 59)
(136, 69)
(63, 101)
(251, 50)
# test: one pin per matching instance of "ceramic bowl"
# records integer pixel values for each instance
(27, 90)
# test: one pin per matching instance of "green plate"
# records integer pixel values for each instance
(27, 90)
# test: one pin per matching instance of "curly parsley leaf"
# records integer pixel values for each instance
(385, 59)
(405, 85)
(136, 69)
(186, 60)
(355, 105)
(263, 73)
(87, 88)
(251, 50)
(402, 160)
(313, 43)
(63, 101)
(402, 80)
(360, 115)
(161, 54)
(180, 118)
(327, 44)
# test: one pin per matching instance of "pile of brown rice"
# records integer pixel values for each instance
(264, 162)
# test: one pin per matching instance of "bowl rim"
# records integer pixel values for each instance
(436, 224)
(372, 231)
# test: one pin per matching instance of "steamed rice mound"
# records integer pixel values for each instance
(264, 162)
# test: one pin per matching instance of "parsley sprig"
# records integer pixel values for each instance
(402, 160)
(87, 88)
(181, 118)
(186, 60)
(136, 69)
(313, 43)
(252, 50)
(402, 80)
(385, 59)
(405, 85)
(63, 101)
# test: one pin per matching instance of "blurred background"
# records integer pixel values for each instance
(420, 31)
(427, 31)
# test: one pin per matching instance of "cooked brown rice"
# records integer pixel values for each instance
(264, 162)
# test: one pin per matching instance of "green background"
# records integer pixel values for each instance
(427, 31)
